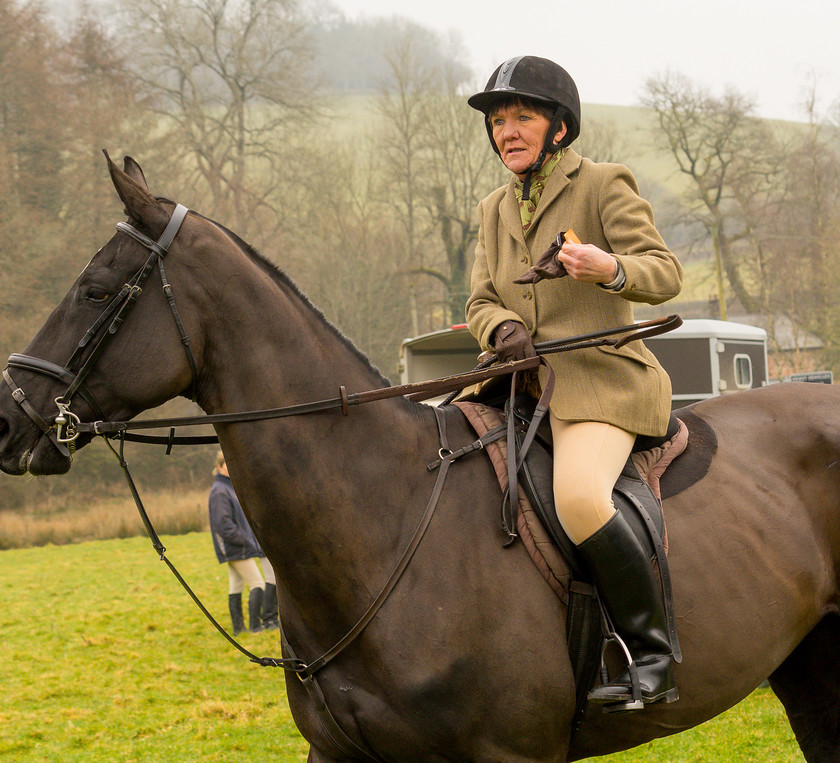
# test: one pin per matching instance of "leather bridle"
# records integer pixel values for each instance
(64, 429)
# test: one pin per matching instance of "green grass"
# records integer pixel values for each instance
(754, 731)
(105, 658)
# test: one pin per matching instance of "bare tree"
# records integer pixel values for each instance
(729, 158)
(807, 252)
(346, 253)
(110, 111)
(464, 170)
(33, 133)
(439, 165)
(769, 199)
(403, 104)
(231, 81)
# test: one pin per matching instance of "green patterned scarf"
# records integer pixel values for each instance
(528, 208)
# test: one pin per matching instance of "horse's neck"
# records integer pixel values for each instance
(291, 355)
(273, 348)
(326, 493)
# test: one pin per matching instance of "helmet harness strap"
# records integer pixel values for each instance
(548, 147)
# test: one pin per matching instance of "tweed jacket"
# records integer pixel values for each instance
(626, 387)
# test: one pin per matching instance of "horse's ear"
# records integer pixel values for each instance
(131, 187)
(134, 171)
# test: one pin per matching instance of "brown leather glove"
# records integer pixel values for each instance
(511, 341)
(548, 266)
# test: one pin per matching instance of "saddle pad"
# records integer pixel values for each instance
(544, 553)
(652, 463)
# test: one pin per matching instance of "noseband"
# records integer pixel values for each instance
(62, 432)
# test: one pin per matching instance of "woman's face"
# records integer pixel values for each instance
(519, 133)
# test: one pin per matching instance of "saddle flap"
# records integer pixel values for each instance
(537, 523)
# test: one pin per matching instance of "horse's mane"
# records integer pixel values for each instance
(280, 277)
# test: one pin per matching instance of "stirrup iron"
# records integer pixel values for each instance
(635, 702)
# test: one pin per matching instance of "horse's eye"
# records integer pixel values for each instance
(97, 296)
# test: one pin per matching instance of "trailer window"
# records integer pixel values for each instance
(743, 371)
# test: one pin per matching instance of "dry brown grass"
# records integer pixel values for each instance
(173, 512)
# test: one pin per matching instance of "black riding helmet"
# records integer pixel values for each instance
(531, 77)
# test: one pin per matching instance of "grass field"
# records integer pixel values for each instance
(105, 658)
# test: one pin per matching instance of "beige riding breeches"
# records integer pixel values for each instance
(588, 458)
(242, 572)
(268, 571)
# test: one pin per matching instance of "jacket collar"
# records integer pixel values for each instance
(557, 181)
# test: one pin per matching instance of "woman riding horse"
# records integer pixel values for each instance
(607, 396)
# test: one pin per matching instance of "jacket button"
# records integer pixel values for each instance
(524, 258)
(527, 295)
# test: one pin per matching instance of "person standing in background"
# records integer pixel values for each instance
(236, 545)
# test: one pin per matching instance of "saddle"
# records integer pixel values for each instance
(531, 518)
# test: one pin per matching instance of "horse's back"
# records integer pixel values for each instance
(751, 509)
(768, 490)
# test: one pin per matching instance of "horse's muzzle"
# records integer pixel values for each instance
(44, 459)
(24, 448)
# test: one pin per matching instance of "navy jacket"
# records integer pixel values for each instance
(233, 537)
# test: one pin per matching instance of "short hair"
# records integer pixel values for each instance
(514, 100)
(220, 461)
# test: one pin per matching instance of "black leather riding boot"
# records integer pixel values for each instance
(255, 599)
(631, 595)
(235, 607)
(270, 616)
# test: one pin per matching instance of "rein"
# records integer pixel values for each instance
(66, 427)
(417, 391)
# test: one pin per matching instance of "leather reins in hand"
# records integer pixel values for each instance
(631, 333)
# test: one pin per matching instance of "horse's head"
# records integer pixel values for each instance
(115, 345)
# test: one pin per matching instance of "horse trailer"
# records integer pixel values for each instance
(704, 358)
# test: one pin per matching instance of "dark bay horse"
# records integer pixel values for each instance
(466, 659)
